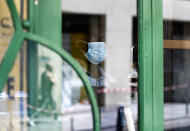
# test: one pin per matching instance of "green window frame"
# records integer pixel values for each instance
(150, 38)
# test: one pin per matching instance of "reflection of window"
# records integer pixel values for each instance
(176, 60)
(177, 44)
(77, 30)
(176, 75)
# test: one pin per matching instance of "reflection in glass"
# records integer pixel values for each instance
(176, 66)
(53, 97)
(109, 65)
(6, 28)
(176, 90)
(60, 97)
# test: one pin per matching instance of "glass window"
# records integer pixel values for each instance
(176, 65)
(49, 95)
(110, 63)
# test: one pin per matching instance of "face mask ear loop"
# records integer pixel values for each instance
(86, 71)
(84, 42)
(83, 51)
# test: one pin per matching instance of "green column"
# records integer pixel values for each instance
(32, 61)
(150, 65)
(158, 73)
(45, 20)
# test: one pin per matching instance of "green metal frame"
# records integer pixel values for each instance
(150, 31)
(16, 42)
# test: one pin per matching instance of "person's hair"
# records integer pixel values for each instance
(49, 67)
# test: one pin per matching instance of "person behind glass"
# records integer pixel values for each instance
(46, 99)
(47, 83)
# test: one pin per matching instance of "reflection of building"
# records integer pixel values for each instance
(110, 22)
(176, 53)
(176, 63)
(6, 32)
(14, 94)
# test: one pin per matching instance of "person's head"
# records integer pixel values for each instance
(49, 67)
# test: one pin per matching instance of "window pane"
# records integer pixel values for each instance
(176, 65)
(44, 93)
(106, 48)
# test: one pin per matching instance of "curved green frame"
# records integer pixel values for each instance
(15, 45)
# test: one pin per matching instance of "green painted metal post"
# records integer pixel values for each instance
(150, 65)
(145, 65)
(32, 61)
(45, 20)
(158, 73)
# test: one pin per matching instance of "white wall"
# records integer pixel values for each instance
(176, 10)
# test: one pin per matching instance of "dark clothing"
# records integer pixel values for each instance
(46, 91)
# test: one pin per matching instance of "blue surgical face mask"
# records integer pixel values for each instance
(96, 52)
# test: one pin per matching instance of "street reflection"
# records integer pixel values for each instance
(44, 93)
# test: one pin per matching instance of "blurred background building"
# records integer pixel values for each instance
(112, 22)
